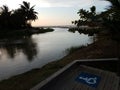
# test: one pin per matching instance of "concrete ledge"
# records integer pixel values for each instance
(94, 60)
(44, 82)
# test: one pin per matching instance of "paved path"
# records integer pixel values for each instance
(66, 79)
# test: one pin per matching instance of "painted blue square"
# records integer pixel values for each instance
(88, 79)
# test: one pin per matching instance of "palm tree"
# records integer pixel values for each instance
(94, 17)
(93, 9)
(87, 17)
(83, 14)
(5, 16)
(4, 9)
(18, 19)
(28, 12)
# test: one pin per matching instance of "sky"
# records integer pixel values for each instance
(57, 12)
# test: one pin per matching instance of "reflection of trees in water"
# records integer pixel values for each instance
(29, 48)
(92, 33)
(16, 45)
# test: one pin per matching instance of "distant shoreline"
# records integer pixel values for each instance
(57, 26)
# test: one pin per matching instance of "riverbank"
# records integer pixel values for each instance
(24, 32)
(103, 48)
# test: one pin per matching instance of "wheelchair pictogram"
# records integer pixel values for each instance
(89, 80)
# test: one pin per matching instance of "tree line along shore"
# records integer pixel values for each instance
(18, 22)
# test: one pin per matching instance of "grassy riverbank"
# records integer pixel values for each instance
(103, 48)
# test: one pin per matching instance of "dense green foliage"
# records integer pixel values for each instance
(19, 18)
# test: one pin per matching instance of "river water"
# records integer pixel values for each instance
(21, 55)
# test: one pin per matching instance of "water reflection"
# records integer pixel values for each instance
(21, 54)
(92, 34)
(12, 46)
(87, 31)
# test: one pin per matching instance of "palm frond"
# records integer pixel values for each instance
(26, 4)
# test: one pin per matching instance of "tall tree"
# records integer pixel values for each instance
(5, 16)
(87, 17)
(19, 18)
(28, 12)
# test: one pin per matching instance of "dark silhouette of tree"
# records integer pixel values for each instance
(28, 12)
(19, 18)
(112, 21)
(88, 18)
(93, 10)
(111, 18)
(5, 16)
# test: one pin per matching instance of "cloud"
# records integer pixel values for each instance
(68, 3)
(86, 4)
(55, 3)
(47, 3)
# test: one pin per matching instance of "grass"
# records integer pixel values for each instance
(75, 48)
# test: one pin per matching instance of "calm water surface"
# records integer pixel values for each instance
(20, 55)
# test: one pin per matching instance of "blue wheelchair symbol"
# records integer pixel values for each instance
(88, 79)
